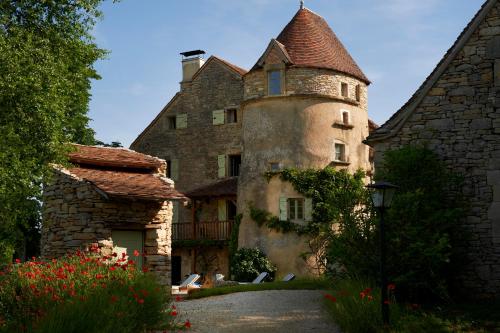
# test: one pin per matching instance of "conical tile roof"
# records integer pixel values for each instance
(310, 42)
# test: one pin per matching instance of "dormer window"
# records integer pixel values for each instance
(274, 82)
(358, 93)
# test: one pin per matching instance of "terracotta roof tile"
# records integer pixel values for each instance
(128, 184)
(113, 157)
(310, 42)
(224, 188)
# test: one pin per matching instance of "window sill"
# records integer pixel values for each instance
(340, 163)
(343, 126)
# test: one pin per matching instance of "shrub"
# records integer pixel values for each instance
(249, 263)
(82, 293)
(422, 223)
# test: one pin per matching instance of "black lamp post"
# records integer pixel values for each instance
(382, 197)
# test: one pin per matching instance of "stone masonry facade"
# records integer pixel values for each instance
(76, 215)
(459, 119)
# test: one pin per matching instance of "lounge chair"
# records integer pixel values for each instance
(289, 277)
(259, 279)
(190, 282)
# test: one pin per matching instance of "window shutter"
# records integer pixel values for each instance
(218, 117)
(174, 173)
(182, 120)
(283, 209)
(308, 209)
(221, 163)
(221, 205)
(175, 213)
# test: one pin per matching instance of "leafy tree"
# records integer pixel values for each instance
(46, 66)
(248, 263)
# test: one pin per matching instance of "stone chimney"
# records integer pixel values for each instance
(191, 62)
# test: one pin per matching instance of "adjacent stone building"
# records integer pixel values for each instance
(303, 104)
(113, 197)
(456, 113)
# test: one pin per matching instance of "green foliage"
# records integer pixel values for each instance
(422, 222)
(356, 307)
(249, 263)
(233, 241)
(297, 284)
(82, 293)
(46, 65)
(263, 217)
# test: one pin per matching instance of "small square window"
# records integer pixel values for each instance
(340, 152)
(344, 89)
(231, 116)
(274, 83)
(172, 122)
(296, 209)
(275, 166)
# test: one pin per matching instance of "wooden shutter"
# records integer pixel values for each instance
(182, 120)
(308, 209)
(283, 209)
(218, 117)
(174, 173)
(222, 211)
(221, 163)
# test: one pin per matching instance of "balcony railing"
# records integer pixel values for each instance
(215, 230)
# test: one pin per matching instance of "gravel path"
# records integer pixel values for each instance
(273, 311)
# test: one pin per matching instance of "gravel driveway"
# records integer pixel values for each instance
(259, 311)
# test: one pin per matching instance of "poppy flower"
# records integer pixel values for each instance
(173, 313)
(18, 261)
(178, 298)
(391, 286)
(136, 253)
(187, 324)
(140, 301)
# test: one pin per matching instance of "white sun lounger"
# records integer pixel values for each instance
(189, 282)
(259, 279)
(288, 277)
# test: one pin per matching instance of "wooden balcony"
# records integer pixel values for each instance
(215, 230)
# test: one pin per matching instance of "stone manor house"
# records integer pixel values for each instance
(303, 104)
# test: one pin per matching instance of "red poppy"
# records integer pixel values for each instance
(114, 299)
(140, 301)
(112, 268)
(178, 298)
(174, 313)
(187, 324)
(330, 297)
(18, 261)
(136, 253)
(391, 286)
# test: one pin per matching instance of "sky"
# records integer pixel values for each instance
(397, 43)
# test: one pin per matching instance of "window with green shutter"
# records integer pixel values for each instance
(181, 120)
(221, 210)
(218, 117)
(174, 172)
(221, 163)
(283, 209)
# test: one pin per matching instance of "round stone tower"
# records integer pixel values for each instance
(305, 106)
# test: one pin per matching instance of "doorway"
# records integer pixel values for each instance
(176, 270)
(127, 242)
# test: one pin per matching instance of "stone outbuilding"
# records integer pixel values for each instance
(455, 112)
(113, 197)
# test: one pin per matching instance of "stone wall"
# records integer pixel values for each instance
(197, 147)
(307, 81)
(75, 215)
(460, 120)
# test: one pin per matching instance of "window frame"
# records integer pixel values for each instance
(344, 152)
(281, 78)
(298, 205)
(358, 93)
(233, 111)
(230, 165)
(172, 122)
(344, 92)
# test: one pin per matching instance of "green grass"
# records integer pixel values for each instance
(299, 284)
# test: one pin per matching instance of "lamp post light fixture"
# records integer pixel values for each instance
(382, 194)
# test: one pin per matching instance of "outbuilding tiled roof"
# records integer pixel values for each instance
(128, 184)
(310, 42)
(223, 188)
(119, 172)
(113, 157)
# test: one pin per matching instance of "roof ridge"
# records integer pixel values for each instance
(384, 131)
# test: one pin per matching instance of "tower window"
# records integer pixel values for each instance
(231, 116)
(358, 93)
(234, 165)
(344, 89)
(169, 169)
(274, 83)
(340, 152)
(345, 117)
(296, 209)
